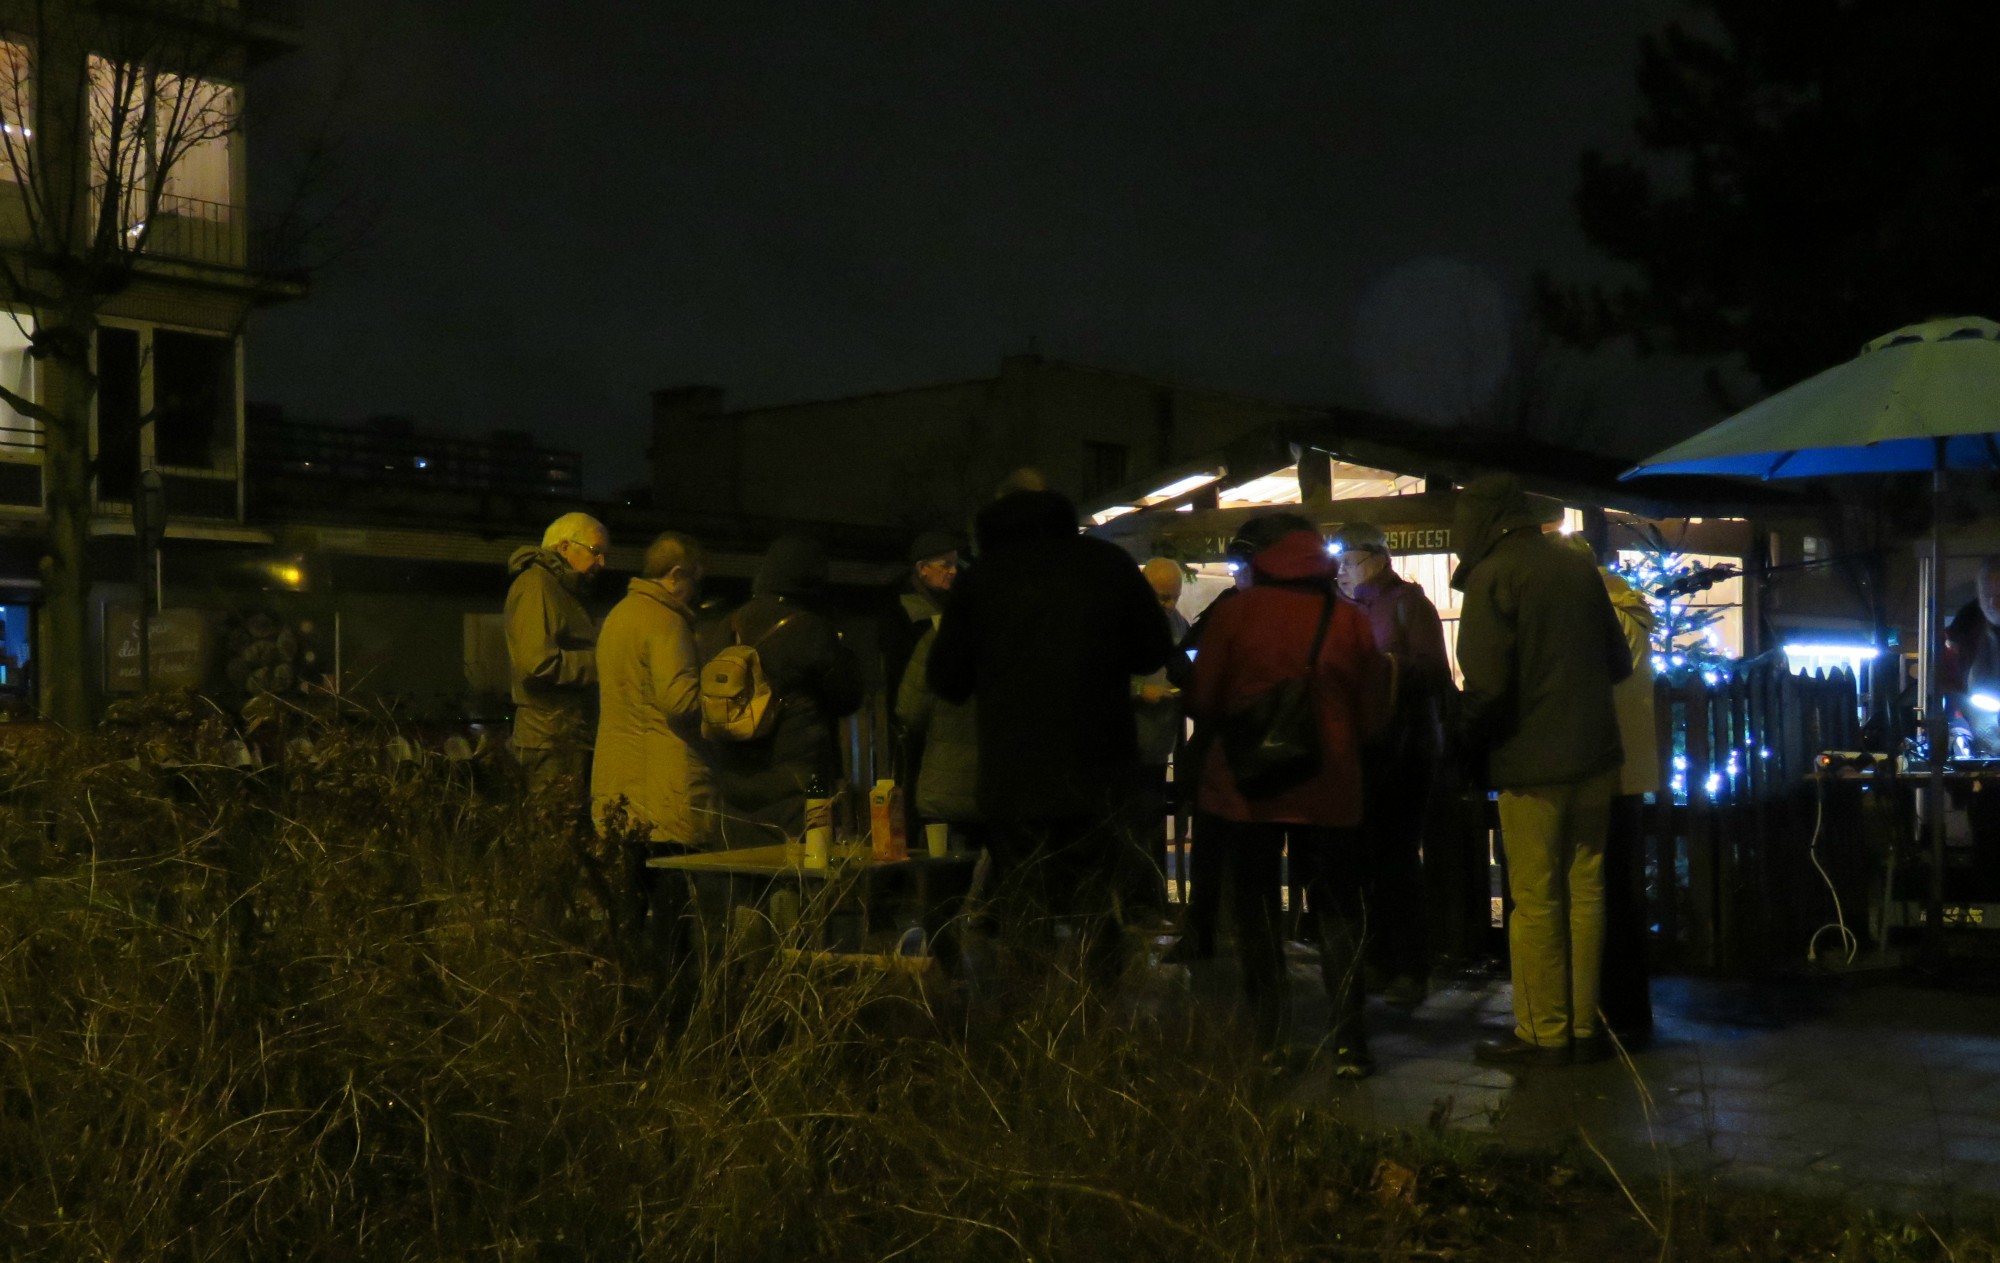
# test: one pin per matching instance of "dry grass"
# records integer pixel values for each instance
(359, 1008)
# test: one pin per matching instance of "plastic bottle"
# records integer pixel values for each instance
(819, 822)
(848, 849)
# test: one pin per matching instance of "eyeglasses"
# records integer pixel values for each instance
(592, 549)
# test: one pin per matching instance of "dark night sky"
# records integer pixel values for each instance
(814, 197)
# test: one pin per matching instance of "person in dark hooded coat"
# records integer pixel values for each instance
(1540, 649)
(816, 680)
(1047, 631)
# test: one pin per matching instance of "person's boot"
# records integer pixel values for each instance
(1341, 972)
(1510, 1050)
(1348, 1050)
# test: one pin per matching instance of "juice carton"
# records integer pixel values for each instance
(885, 822)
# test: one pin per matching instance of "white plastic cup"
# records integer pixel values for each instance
(937, 836)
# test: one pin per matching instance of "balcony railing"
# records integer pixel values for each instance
(359, 457)
(192, 230)
(208, 495)
(196, 231)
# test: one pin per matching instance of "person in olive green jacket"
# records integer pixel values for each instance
(947, 786)
(1540, 649)
(551, 648)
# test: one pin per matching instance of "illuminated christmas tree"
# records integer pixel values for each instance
(1685, 640)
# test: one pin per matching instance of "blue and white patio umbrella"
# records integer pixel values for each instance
(1910, 396)
(1922, 398)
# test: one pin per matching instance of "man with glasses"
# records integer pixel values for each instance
(1397, 769)
(934, 562)
(552, 650)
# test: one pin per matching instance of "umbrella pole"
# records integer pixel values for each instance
(1934, 722)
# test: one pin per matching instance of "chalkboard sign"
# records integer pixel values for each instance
(182, 645)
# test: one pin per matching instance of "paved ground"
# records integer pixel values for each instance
(1884, 1095)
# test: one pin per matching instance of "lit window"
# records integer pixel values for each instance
(162, 135)
(17, 373)
(17, 110)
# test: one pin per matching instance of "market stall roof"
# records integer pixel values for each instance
(1440, 455)
(1414, 524)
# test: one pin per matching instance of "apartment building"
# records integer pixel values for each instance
(129, 269)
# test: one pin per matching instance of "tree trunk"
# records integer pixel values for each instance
(60, 185)
(67, 681)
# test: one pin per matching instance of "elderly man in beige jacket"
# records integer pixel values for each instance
(651, 782)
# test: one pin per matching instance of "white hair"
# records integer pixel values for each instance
(579, 528)
(1160, 569)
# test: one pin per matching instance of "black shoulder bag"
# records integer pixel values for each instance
(1272, 744)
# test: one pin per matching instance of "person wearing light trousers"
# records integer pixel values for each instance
(1540, 648)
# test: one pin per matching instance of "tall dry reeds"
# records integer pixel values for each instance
(363, 1003)
(355, 1006)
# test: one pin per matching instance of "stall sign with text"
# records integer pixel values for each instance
(179, 651)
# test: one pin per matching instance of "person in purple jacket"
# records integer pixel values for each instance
(1397, 770)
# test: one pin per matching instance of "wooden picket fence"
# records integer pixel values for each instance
(1729, 874)
(1730, 879)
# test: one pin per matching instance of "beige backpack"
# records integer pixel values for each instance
(736, 699)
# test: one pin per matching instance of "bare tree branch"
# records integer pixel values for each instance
(29, 408)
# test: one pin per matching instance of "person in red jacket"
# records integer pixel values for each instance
(1256, 641)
